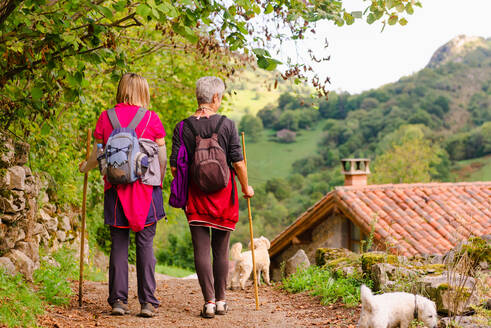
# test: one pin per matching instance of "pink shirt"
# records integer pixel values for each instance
(135, 198)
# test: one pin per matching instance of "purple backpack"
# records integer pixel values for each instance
(179, 186)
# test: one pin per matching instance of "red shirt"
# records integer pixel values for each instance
(136, 197)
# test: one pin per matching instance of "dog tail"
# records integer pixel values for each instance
(366, 298)
(235, 252)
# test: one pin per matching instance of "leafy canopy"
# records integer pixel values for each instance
(48, 47)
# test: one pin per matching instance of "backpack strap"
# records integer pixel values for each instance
(137, 119)
(111, 113)
(219, 125)
(191, 127)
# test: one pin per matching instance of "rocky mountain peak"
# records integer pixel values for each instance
(455, 50)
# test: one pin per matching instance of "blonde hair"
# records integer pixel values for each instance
(133, 90)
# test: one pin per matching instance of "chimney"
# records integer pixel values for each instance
(356, 171)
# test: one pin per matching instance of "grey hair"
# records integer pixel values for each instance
(206, 87)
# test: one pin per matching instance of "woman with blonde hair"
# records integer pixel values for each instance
(134, 205)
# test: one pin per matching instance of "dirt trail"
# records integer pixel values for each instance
(181, 302)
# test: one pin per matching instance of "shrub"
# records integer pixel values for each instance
(252, 126)
(178, 252)
(328, 286)
(308, 165)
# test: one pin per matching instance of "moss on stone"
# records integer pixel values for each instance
(431, 269)
(324, 255)
(369, 259)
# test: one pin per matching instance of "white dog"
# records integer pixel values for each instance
(395, 310)
(243, 262)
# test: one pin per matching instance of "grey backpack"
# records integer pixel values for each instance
(122, 152)
(209, 168)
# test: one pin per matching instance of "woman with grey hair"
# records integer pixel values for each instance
(211, 215)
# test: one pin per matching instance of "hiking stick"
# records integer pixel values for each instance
(82, 235)
(250, 230)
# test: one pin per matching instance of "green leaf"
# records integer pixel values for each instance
(370, 18)
(256, 9)
(262, 62)
(36, 93)
(269, 9)
(400, 7)
(45, 129)
(106, 11)
(403, 21)
(409, 9)
(143, 10)
(261, 52)
(392, 19)
(232, 10)
(186, 32)
(120, 5)
(348, 18)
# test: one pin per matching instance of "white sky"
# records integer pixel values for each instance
(363, 58)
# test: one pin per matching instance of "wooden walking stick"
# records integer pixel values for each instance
(250, 230)
(82, 235)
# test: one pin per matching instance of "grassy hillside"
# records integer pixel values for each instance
(253, 90)
(476, 169)
(268, 159)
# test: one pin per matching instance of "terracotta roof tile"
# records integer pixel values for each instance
(427, 218)
(431, 217)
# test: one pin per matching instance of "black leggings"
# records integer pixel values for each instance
(213, 282)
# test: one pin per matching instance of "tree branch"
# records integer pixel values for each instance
(6, 8)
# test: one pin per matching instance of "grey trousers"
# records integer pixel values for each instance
(213, 281)
(145, 265)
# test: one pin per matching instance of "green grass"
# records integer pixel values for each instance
(323, 283)
(268, 159)
(19, 304)
(172, 271)
(476, 169)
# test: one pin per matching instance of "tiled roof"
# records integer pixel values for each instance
(423, 218)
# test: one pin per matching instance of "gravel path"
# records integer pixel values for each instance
(181, 301)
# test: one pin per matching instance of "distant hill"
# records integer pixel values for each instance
(448, 104)
(451, 97)
(456, 49)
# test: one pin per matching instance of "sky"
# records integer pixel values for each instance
(363, 58)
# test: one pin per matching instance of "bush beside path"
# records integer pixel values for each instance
(181, 302)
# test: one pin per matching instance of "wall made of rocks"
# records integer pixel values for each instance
(29, 219)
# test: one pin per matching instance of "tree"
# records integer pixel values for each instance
(49, 48)
(252, 126)
(268, 116)
(412, 160)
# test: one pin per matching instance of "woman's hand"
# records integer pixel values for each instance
(248, 192)
(82, 167)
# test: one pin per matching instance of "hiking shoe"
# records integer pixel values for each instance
(208, 311)
(222, 308)
(119, 308)
(147, 311)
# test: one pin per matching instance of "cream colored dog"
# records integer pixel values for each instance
(243, 262)
(395, 310)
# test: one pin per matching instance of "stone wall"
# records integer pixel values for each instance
(332, 232)
(28, 217)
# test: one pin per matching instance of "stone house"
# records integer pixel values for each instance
(406, 219)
